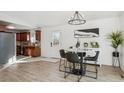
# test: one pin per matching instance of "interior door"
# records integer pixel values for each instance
(55, 44)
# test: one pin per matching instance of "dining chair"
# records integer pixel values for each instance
(93, 59)
(81, 54)
(74, 65)
(63, 58)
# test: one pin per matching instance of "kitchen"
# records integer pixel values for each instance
(28, 44)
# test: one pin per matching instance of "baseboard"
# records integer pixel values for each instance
(55, 57)
(50, 57)
(4, 66)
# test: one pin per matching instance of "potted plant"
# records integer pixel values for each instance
(116, 39)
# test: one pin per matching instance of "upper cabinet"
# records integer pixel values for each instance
(29, 36)
(17, 36)
(38, 35)
(23, 36)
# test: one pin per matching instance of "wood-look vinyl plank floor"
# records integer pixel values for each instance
(49, 72)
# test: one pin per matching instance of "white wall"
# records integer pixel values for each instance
(122, 29)
(67, 39)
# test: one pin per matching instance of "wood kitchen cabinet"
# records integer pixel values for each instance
(32, 51)
(18, 50)
(23, 36)
(28, 48)
(17, 36)
(38, 35)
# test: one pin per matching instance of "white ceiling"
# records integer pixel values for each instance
(53, 18)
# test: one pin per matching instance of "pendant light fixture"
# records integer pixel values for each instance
(77, 19)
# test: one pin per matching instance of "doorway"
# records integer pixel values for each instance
(28, 44)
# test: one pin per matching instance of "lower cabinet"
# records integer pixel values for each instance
(18, 50)
(32, 51)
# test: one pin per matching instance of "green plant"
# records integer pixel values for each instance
(94, 44)
(116, 39)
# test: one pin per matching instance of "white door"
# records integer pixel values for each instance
(55, 44)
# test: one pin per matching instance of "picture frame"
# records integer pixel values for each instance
(56, 38)
(86, 33)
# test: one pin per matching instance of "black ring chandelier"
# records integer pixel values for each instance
(77, 19)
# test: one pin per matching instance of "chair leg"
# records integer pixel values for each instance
(79, 76)
(65, 66)
(85, 66)
(60, 64)
(70, 67)
(96, 68)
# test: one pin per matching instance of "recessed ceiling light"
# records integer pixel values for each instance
(10, 27)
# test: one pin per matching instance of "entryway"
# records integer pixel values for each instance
(28, 44)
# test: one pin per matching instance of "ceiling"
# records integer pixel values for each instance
(16, 26)
(54, 18)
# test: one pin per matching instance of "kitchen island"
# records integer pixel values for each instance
(33, 51)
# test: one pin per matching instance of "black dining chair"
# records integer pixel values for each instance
(81, 55)
(93, 59)
(63, 58)
(74, 65)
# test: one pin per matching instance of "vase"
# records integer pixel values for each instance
(115, 53)
(77, 44)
